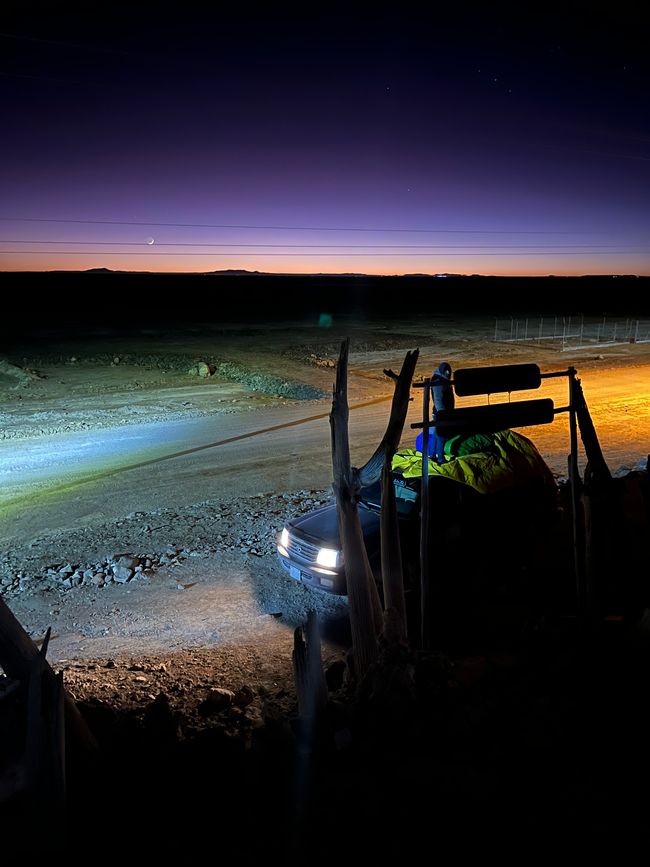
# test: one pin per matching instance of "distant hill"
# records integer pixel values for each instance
(243, 272)
(228, 272)
(419, 275)
(234, 271)
(348, 275)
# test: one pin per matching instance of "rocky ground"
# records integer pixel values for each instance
(210, 609)
(174, 627)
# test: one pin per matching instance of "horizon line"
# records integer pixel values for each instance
(246, 272)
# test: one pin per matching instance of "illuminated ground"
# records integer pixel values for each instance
(104, 447)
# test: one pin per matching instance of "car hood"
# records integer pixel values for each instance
(321, 525)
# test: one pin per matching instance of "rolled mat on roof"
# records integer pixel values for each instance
(485, 462)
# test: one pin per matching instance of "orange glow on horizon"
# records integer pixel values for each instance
(532, 265)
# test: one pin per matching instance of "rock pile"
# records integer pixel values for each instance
(142, 542)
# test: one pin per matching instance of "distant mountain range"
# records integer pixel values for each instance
(235, 272)
(226, 272)
(350, 275)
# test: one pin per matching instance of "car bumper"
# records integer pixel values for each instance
(330, 582)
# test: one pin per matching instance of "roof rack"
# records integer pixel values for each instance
(473, 381)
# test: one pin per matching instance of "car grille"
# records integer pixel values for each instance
(301, 549)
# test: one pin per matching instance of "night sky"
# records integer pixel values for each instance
(184, 139)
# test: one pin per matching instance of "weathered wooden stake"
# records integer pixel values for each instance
(347, 489)
(308, 669)
(17, 652)
(600, 472)
(425, 582)
(365, 609)
(395, 625)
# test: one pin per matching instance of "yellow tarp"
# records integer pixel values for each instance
(512, 460)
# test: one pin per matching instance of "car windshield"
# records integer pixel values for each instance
(407, 494)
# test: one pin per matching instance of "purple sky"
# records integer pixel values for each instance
(493, 144)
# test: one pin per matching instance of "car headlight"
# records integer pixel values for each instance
(284, 537)
(328, 557)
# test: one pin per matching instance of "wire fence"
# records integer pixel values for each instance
(572, 332)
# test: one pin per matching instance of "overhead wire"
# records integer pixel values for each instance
(220, 253)
(296, 228)
(550, 247)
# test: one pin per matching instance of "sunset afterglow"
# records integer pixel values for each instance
(321, 144)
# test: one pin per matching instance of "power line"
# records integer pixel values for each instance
(550, 247)
(297, 228)
(340, 255)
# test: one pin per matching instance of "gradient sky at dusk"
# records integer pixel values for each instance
(471, 142)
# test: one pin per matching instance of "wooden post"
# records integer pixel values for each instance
(590, 566)
(36, 735)
(346, 489)
(575, 482)
(365, 607)
(425, 584)
(371, 470)
(45, 739)
(600, 472)
(57, 738)
(395, 626)
(348, 481)
(308, 669)
(597, 504)
(17, 651)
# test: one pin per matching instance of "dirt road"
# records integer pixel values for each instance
(85, 477)
(214, 473)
